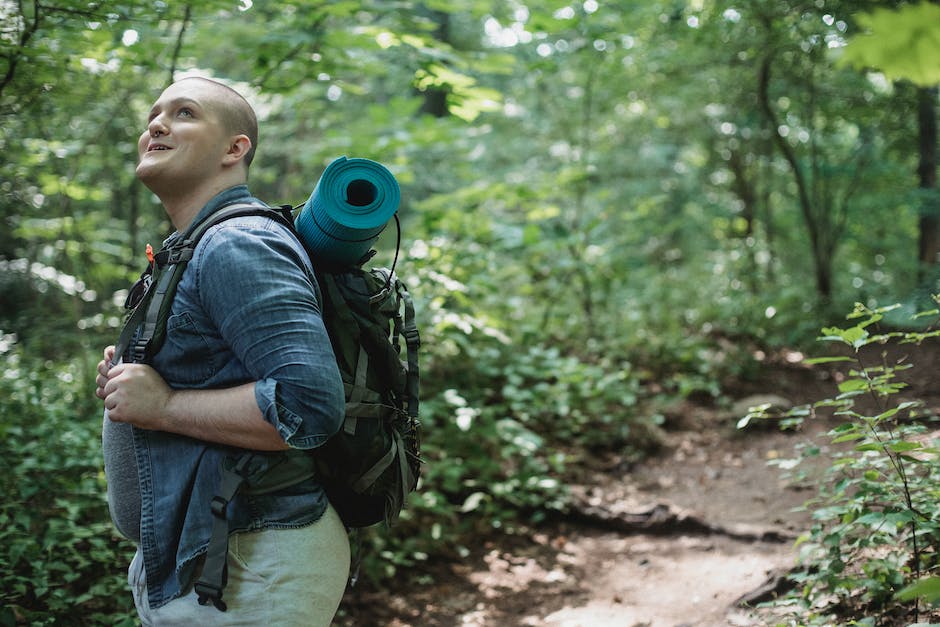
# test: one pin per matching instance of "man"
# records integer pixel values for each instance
(246, 364)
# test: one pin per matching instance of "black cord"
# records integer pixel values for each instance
(397, 246)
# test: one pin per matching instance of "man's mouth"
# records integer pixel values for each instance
(153, 147)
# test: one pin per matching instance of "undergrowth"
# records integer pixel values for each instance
(61, 563)
(871, 554)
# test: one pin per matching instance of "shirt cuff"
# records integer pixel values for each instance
(290, 426)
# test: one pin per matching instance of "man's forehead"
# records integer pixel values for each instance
(196, 91)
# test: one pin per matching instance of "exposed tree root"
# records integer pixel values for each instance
(776, 585)
(663, 519)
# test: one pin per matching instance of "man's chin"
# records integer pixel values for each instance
(147, 174)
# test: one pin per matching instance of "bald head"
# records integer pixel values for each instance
(234, 112)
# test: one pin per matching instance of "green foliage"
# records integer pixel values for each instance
(502, 422)
(927, 589)
(596, 217)
(876, 520)
(60, 561)
(903, 43)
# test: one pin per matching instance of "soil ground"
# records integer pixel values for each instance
(720, 522)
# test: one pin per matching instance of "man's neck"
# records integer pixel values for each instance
(182, 208)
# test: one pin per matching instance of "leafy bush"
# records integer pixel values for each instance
(501, 422)
(505, 413)
(60, 561)
(876, 518)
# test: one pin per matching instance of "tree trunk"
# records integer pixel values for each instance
(928, 251)
(747, 192)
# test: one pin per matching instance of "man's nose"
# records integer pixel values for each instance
(157, 126)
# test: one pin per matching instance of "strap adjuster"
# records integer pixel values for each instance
(219, 506)
(210, 594)
(176, 254)
(412, 337)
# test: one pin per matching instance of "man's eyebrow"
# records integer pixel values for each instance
(173, 103)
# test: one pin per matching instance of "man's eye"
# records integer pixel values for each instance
(185, 112)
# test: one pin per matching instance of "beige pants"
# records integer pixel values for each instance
(278, 577)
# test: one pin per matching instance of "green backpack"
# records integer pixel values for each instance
(371, 465)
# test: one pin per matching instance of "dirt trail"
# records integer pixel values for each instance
(720, 524)
(674, 541)
(731, 530)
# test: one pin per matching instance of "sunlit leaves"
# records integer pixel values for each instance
(466, 99)
(903, 43)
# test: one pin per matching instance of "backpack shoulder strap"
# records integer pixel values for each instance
(145, 330)
(412, 344)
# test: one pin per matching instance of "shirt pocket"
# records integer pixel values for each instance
(186, 352)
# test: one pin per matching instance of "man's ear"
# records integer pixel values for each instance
(238, 147)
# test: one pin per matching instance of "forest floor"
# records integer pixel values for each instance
(675, 541)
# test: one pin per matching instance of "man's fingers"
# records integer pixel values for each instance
(105, 380)
(102, 379)
(104, 368)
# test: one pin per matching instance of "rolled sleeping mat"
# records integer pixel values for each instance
(348, 209)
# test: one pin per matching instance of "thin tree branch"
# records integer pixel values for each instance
(763, 98)
(293, 52)
(25, 36)
(821, 255)
(187, 15)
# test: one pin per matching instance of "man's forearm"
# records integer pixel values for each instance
(227, 416)
(136, 394)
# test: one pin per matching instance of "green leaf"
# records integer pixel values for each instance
(872, 519)
(825, 360)
(904, 447)
(852, 336)
(902, 43)
(927, 589)
(853, 385)
(849, 437)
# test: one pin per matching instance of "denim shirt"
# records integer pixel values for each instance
(246, 309)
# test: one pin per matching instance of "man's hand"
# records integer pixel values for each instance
(135, 393)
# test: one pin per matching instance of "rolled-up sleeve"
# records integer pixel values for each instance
(253, 282)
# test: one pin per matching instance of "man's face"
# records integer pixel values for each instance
(185, 140)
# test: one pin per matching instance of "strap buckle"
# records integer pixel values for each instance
(219, 506)
(210, 594)
(175, 254)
